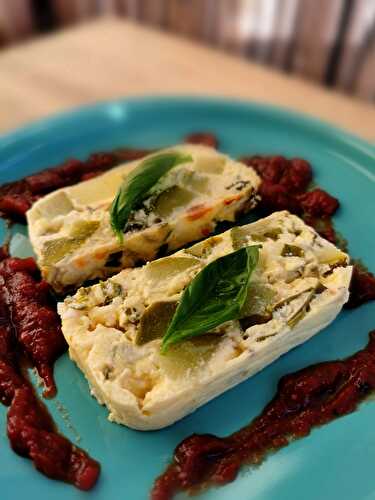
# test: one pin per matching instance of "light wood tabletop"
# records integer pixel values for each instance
(112, 58)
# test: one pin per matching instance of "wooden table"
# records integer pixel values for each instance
(110, 58)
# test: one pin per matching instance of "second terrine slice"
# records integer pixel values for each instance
(98, 227)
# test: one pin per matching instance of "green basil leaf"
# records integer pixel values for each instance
(137, 185)
(216, 295)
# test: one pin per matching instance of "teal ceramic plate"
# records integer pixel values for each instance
(336, 461)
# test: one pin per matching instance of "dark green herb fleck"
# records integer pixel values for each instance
(292, 251)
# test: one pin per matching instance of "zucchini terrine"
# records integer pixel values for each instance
(116, 329)
(71, 233)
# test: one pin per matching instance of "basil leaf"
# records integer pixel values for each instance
(216, 295)
(137, 185)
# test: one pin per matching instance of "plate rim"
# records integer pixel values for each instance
(317, 126)
(308, 122)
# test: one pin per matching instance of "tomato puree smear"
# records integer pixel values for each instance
(305, 399)
(30, 327)
(285, 186)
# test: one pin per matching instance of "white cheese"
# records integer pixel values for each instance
(292, 298)
(70, 228)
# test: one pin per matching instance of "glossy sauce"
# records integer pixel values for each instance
(30, 326)
(305, 399)
(32, 434)
(34, 323)
(285, 184)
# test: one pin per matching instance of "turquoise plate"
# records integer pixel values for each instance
(335, 461)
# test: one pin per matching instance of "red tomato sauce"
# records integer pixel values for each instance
(285, 184)
(30, 327)
(32, 317)
(32, 434)
(305, 399)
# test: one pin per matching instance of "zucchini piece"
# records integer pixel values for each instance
(168, 267)
(55, 250)
(204, 248)
(258, 306)
(154, 321)
(172, 198)
(240, 237)
(301, 311)
(183, 357)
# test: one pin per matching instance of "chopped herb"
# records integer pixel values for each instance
(239, 238)
(238, 185)
(292, 251)
(265, 337)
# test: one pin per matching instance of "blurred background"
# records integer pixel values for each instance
(329, 41)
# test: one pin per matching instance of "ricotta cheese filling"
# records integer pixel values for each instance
(114, 328)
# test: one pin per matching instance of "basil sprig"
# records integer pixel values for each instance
(137, 185)
(216, 295)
